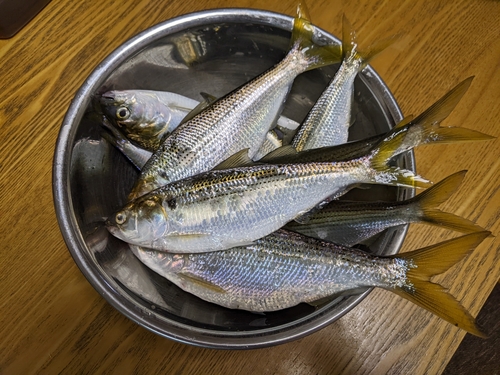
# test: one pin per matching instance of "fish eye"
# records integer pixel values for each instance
(122, 113)
(120, 218)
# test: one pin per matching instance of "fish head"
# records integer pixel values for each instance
(140, 222)
(122, 108)
(139, 115)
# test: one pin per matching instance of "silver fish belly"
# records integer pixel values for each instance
(238, 121)
(225, 208)
(327, 124)
(278, 271)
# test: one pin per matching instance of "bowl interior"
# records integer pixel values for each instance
(214, 54)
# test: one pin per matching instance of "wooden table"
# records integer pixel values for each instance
(53, 321)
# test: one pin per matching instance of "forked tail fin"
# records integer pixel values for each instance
(350, 50)
(379, 158)
(426, 128)
(302, 39)
(434, 260)
(426, 205)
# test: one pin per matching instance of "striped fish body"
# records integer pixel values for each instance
(238, 121)
(278, 271)
(349, 223)
(285, 269)
(327, 124)
(221, 209)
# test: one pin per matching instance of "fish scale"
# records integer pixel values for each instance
(279, 271)
(224, 208)
(285, 268)
(239, 120)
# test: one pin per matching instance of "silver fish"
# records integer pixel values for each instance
(351, 222)
(225, 208)
(238, 121)
(139, 156)
(423, 129)
(328, 122)
(146, 116)
(285, 269)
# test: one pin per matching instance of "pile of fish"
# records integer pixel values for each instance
(228, 213)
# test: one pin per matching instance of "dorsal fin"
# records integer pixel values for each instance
(208, 98)
(206, 102)
(240, 159)
(284, 151)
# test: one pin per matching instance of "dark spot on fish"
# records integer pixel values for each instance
(172, 204)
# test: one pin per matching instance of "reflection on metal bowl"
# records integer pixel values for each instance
(212, 51)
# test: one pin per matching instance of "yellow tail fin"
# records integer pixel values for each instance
(444, 106)
(302, 38)
(350, 45)
(427, 202)
(425, 128)
(407, 120)
(379, 158)
(433, 260)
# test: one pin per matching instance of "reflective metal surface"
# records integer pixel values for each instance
(212, 51)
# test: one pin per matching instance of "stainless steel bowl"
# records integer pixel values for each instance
(212, 51)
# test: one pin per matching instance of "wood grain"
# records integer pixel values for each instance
(52, 321)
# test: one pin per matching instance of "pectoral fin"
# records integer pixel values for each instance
(194, 279)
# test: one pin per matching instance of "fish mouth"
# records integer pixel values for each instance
(108, 98)
(110, 226)
(114, 230)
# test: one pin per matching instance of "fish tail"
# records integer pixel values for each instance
(428, 200)
(444, 106)
(438, 134)
(428, 123)
(379, 158)
(434, 260)
(302, 37)
(350, 45)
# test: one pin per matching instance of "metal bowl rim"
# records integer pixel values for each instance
(67, 220)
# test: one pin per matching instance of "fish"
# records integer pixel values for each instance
(220, 209)
(139, 156)
(423, 129)
(147, 117)
(328, 122)
(239, 120)
(349, 223)
(284, 269)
